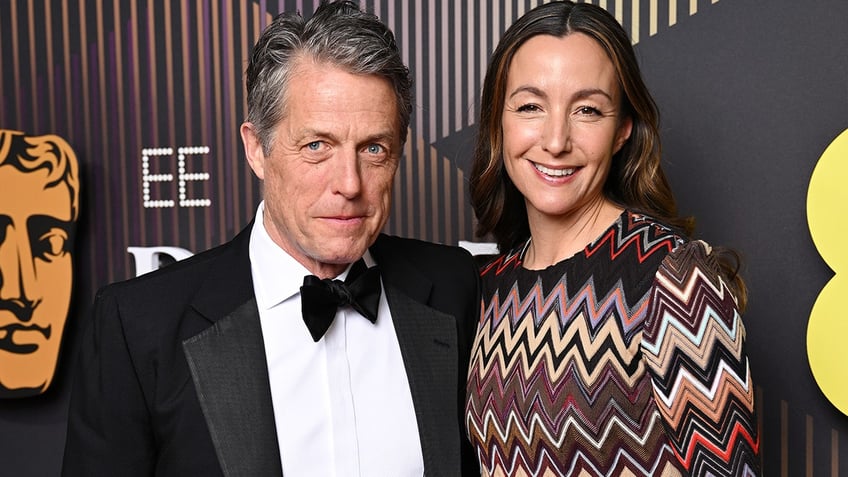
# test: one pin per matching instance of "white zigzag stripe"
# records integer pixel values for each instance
(695, 280)
(490, 421)
(670, 320)
(712, 391)
(518, 461)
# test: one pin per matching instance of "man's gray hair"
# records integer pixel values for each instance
(339, 34)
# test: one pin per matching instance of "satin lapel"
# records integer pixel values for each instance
(428, 343)
(228, 367)
(227, 363)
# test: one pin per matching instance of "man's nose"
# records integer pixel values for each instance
(347, 178)
(17, 275)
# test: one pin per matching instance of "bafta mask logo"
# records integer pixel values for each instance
(39, 206)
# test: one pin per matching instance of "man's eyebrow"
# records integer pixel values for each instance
(387, 136)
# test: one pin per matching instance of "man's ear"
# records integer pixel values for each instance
(253, 149)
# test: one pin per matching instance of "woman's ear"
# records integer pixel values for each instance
(623, 134)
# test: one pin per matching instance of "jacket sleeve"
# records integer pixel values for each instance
(694, 348)
(108, 426)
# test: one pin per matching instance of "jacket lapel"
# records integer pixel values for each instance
(428, 344)
(228, 367)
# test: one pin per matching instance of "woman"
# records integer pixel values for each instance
(609, 342)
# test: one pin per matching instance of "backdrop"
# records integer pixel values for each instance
(149, 95)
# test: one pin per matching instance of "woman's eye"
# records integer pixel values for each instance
(588, 110)
(528, 108)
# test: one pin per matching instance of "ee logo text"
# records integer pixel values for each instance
(183, 177)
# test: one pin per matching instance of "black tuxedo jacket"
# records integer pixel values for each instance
(172, 380)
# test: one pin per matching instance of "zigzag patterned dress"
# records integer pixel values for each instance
(625, 359)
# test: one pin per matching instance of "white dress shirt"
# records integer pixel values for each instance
(342, 406)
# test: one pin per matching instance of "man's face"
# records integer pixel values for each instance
(328, 176)
(35, 277)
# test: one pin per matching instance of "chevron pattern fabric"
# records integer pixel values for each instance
(625, 359)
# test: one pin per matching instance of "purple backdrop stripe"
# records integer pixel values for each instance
(225, 202)
(215, 26)
(421, 176)
(437, 215)
(447, 171)
(170, 138)
(97, 206)
(809, 447)
(102, 102)
(187, 65)
(136, 227)
(458, 25)
(420, 125)
(113, 128)
(784, 438)
(16, 62)
(100, 120)
(231, 84)
(174, 228)
(148, 56)
(51, 78)
(245, 38)
(204, 78)
(444, 54)
(417, 60)
(66, 55)
(250, 26)
(408, 219)
(834, 452)
(121, 103)
(471, 42)
(36, 104)
(135, 112)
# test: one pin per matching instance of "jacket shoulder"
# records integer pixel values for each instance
(425, 256)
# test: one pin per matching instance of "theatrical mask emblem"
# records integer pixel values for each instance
(39, 206)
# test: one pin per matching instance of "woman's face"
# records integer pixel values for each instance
(561, 124)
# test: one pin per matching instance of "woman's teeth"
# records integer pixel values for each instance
(553, 172)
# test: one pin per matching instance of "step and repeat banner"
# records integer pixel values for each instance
(120, 154)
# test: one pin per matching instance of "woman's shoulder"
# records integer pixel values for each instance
(496, 264)
(638, 222)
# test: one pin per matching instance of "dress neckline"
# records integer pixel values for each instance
(615, 223)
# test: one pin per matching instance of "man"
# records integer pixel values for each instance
(39, 192)
(207, 367)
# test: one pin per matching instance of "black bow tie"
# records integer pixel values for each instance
(321, 298)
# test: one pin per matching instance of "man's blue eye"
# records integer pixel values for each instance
(375, 149)
(314, 145)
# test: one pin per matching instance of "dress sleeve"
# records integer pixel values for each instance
(694, 348)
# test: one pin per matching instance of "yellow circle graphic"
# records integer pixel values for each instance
(827, 331)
